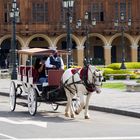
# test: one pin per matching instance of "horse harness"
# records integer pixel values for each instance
(90, 86)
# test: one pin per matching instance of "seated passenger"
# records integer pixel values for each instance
(40, 67)
(54, 61)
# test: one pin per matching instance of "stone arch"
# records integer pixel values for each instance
(96, 35)
(9, 36)
(96, 52)
(64, 35)
(61, 41)
(130, 38)
(137, 40)
(39, 35)
(5, 44)
(117, 51)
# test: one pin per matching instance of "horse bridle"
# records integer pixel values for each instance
(94, 78)
(90, 86)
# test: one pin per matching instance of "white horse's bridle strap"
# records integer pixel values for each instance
(73, 83)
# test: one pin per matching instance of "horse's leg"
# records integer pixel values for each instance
(71, 108)
(68, 103)
(87, 105)
(81, 98)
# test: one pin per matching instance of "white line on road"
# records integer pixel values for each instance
(37, 123)
(7, 136)
(90, 138)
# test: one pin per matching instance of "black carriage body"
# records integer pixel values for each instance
(53, 94)
(54, 91)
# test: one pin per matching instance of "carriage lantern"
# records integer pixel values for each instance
(14, 15)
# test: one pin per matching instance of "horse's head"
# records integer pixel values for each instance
(95, 77)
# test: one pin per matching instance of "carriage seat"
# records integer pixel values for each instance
(27, 72)
(54, 77)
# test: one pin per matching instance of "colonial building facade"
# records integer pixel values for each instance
(42, 24)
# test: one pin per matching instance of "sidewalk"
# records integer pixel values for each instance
(109, 100)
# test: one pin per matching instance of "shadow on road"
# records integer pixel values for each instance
(47, 116)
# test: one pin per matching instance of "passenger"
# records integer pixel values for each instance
(40, 67)
(54, 61)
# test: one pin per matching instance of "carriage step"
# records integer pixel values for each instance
(22, 104)
(59, 102)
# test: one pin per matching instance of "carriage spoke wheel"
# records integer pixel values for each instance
(32, 101)
(54, 106)
(19, 91)
(12, 96)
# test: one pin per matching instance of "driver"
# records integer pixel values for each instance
(54, 61)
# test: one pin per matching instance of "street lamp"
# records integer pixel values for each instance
(14, 15)
(87, 47)
(68, 4)
(122, 25)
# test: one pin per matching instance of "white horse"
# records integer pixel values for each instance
(78, 82)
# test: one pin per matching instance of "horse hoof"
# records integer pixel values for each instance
(76, 112)
(66, 115)
(86, 117)
(72, 116)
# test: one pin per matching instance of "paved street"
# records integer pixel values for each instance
(49, 124)
(109, 100)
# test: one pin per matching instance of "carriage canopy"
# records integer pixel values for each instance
(41, 51)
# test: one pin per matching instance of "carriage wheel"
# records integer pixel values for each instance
(54, 106)
(32, 101)
(12, 96)
(19, 91)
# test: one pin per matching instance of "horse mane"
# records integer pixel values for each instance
(84, 78)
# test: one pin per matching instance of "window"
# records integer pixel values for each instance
(97, 11)
(124, 6)
(40, 12)
(116, 10)
(129, 8)
(7, 9)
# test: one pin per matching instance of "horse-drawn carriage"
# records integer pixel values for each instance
(26, 87)
(60, 87)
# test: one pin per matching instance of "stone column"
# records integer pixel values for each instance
(80, 55)
(24, 57)
(107, 54)
(134, 53)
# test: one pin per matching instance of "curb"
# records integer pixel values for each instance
(102, 109)
(115, 111)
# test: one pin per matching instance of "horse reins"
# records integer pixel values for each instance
(84, 80)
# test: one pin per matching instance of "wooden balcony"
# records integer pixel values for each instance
(104, 28)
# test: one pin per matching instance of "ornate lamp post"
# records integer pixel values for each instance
(14, 14)
(68, 4)
(122, 26)
(87, 47)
